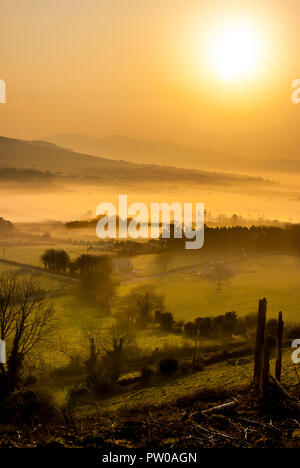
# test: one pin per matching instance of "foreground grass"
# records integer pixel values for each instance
(165, 391)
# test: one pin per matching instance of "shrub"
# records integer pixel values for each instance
(178, 326)
(198, 365)
(203, 325)
(168, 366)
(26, 407)
(293, 332)
(105, 387)
(185, 368)
(271, 327)
(167, 321)
(29, 381)
(190, 329)
(147, 372)
(157, 316)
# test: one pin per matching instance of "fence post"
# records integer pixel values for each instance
(279, 347)
(259, 346)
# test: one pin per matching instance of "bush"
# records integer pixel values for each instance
(185, 368)
(157, 316)
(293, 332)
(190, 329)
(168, 366)
(147, 372)
(30, 381)
(271, 327)
(198, 365)
(167, 321)
(105, 387)
(26, 407)
(77, 392)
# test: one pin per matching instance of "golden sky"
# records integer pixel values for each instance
(145, 68)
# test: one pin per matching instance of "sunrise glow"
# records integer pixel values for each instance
(235, 51)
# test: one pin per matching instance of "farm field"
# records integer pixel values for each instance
(31, 254)
(276, 277)
(186, 295)
(145, 265)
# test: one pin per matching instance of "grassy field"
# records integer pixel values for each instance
(215, 377)
(146, 265)
(143, 264)
(31, 254)
(275, 277)
(187, 296)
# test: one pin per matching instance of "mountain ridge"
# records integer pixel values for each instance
(39, 155)
(144, 151)
(141, 150)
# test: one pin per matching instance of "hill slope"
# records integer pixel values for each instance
(144, 151)
(44, 156)
(160, 152)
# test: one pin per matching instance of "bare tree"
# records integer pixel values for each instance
(119, 341)
(141, 303)
(8, 293)
(86, 370)
(25, 321)
(92, 361)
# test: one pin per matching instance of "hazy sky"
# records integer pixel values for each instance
(143, 68)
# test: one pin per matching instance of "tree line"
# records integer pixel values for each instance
(59, 261)
(253, 239)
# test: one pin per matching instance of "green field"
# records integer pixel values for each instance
(187, 296)
(275, 277)
(145, 265)
(31, 254)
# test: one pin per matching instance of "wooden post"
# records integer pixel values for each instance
(259, 346)
(279, 347)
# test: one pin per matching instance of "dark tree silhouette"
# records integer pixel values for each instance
(56, 261)
(141, 303)
(25, 320)
(98, 286)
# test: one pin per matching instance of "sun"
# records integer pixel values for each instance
(235, 51)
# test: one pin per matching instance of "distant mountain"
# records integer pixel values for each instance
(67, 165)
(281, 165)
(42, 155)
(144, 151)
(159, 152)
